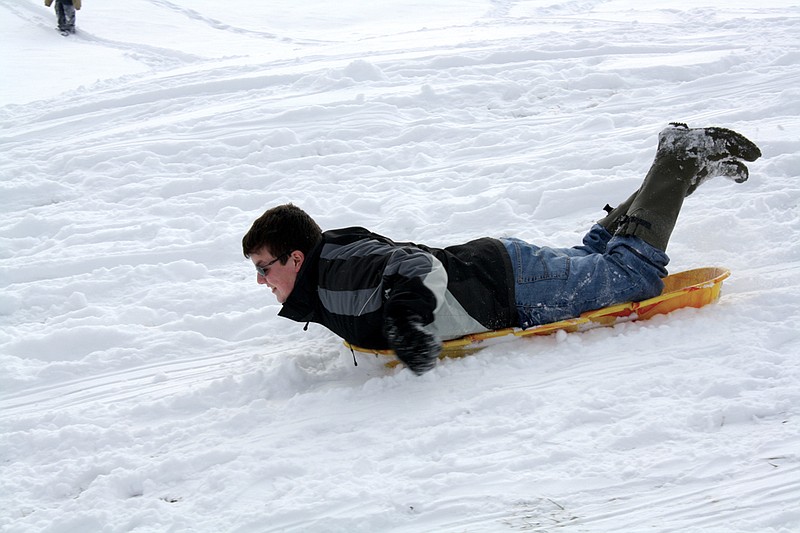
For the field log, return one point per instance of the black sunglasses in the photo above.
(264, 270)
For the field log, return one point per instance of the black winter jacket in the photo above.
(354, 278)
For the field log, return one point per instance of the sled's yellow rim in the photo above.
(690, 288)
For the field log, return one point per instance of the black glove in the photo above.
(414, 346)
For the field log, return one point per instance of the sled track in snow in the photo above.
(147, 383)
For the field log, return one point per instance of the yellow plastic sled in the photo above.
(691, 288)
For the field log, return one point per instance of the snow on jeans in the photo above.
(553, 284)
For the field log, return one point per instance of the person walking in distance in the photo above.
(65, 12)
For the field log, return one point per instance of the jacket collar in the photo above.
(302, 303)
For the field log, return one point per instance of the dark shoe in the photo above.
(685, 159)
(715, 152)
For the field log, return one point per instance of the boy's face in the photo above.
(278, 277)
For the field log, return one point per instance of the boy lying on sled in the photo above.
(379, 294)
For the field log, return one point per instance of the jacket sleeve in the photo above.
(363, 279)
(414, 284)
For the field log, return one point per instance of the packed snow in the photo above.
(147, 384)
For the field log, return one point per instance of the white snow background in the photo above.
(146, 384)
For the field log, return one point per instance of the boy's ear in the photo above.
(297, 257)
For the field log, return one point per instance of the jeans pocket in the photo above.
(539, 264)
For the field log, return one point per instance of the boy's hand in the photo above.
(414, 346)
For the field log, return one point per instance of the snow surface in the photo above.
(147, 384)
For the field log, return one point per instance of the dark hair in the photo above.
(281, 230)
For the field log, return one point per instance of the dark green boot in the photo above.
(612, 219)
(685, 159)
(716, 150)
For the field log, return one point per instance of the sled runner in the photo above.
(691, 288)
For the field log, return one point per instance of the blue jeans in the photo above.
(554, 284)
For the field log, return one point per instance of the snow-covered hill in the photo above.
(146, 384)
